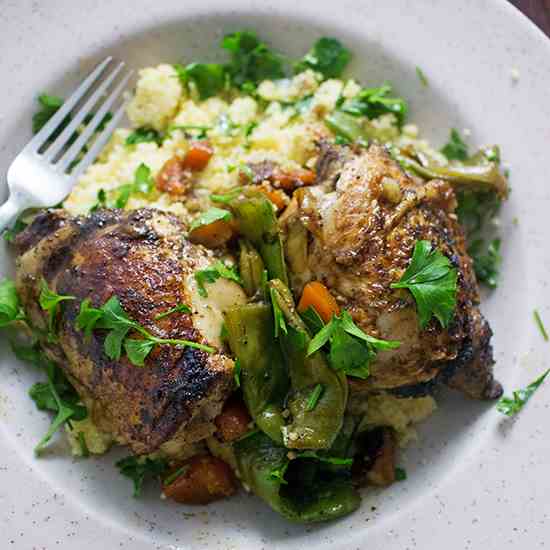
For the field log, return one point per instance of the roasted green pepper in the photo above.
(264, 376)
(251, 267)
(299, 490)
(312, 426)
(257, 223)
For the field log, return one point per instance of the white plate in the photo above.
(476, 480)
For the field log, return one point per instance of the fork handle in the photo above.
(9, 212)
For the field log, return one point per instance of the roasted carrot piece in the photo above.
(291, 180)
(234, 420)
(317, 296)
(276, 196)
(214, 234)
(198, 155)
(382, 471)
(203, 479)
(173, 177)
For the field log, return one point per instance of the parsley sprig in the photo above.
(50, 301)
(510, 406)
(218, 270)
(139, 469)
(351, 349)
(432, 282)
(112, 317)
(10, 306)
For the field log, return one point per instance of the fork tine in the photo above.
(100, 142)
(78, 118)
(71, 154)
(40, 138)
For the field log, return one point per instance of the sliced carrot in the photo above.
(214, 234)
(317, 296)
(198, 156)
(173, 177)
(291, 180)
(234, 420)
(203, 479)
(276, 196)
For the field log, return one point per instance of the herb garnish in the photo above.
(10, 306)
(432, 282)
(237, 373)
(455, 149)
(327, 56)
(144, 134)
(486, 265)
(226, 198)
(138, 469)
(113, 318)
(49, 105)
(422, 77)
(351, 349)
(180, 308)
(143, 183)
(400, 474)
(213, 273)
(540, 324)
(210, 216)
(50, 301)
(512, 405)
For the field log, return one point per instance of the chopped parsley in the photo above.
(213, 273)
(278, 474)
(351, 349)
(209, 78)
(400, 474)
(180, 308)
(432, 282)
(143, 183)
(226, 198)
(327, 56)
(50, 301)
(210, 216)
(422, 77)
(314, 397)
(112, 318)
(10, 306)
(455, 149)
(510, 406)
(139, 469)
(49, 105)
(12, 232)
(540, 325)
(144, 134)
(486, 264)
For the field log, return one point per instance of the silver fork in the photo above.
(45, 171)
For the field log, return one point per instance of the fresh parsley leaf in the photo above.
(101, 201)
(210, 216)
(510, 406)
(180, 308)
(25, 352)
(10, 306)
(237, 373)
(143, 183)
(374, 102)
(209, 78)
(213, 273)
(251, 60)
(84, 451)
(143, 134)
(49, 301)
(11, 233)
(475, 209)
(43, 397)
(226, 198)
(486, 264)
(314, 397)
(115, 320)
(201, 132)
(138, 469)
(138, 350)
(422, 77)
(328, 57)
(87, 317)
(351, 349)
(540, 325)
(49, 105)
(400, 474)
(455, 149)
(278, 474)
(432, 282)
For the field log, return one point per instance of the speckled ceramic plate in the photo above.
(476, 480)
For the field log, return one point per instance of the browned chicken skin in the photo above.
(143, 259)
(355, 231)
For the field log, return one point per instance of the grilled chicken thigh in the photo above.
(355, 231)
(143, 258)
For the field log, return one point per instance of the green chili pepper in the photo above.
(314, 428)
(251, 267)
(264, 377)
(311, 494)
(258, 223)
(355, 130)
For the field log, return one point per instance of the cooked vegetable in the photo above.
(204, 479)
(309, 428)
(374, 102)
(212, 228)
(251, 267)
(139, 469)
(432, 281)
(349, 129)
(209, 78)
(540, 325)
(234, 421)
(328, 57)
(455, 149)
(510, 406)
(301, 490)
(276, 196)
(317, 296)
(257, 222)
(210, 216)
(264, 377)
(144, 135)
(382, 470)
(113, 318)
(10, 307)
(198, 155)
(351, 349)
(213, 273)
